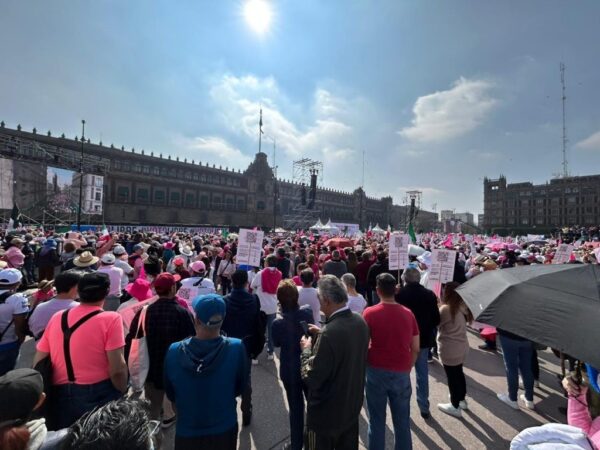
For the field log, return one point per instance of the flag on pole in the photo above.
(260, 123)
(104, 230)
(15, 218)
(411, 233)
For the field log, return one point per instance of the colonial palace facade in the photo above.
(149, 188)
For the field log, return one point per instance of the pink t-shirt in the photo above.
(89, 344)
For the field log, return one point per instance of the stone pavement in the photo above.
(489, 423)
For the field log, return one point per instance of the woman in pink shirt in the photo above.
(578, 413)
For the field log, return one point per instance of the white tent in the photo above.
(317, 226)
(377, 229)
(330, 228)
(280, 230)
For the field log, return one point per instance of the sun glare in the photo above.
(258, 15)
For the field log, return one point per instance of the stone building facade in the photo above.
(142, 188)
(525, 207)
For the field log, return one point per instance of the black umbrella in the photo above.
(555, 305)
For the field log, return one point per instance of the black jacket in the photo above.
(334, 373)
(243, 320)
(423, 304)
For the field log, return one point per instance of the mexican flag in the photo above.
(411, 233)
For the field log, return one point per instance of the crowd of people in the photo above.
(136, 333)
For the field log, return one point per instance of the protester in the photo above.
(13, 318)
(423, 304)
(356, 302)
(136, 260)
(120, 424)
(393, 351)
(517, 354)
(197, 284)
(287, 331)
(225, 271)
(265, 285)
(13, 256)
(22, 395)
(307, 294)
(92, 371)
(453, 346)
(335, 266)
(86, 262)
(66, 298)
(166, 322)
(244, 322)
(284, 265)
(121, 263)
(580, 397)
(48, 260)
(378, 267)
(113, 300)
(334, 371)
(203, 376)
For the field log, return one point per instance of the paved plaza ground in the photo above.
(489, 424)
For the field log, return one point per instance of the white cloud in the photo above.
(215, 150)
(452, 113)
(590, 143)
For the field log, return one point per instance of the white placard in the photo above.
(442, 265)
(249, 247)
(563, 254)
(398, 257)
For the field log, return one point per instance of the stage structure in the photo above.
(307, 173)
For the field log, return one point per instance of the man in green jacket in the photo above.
(334, 371)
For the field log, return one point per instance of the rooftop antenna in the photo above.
(260, 132)
(565, 163)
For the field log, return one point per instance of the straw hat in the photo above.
(186, 251)
(86, 259)
(45, 284)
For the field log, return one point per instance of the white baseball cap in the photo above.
(108, 258)
(10, 276)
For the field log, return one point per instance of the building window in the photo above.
(241, 204)
(98, 196)
(122, 194)
(190, 200)
(216, 201)
(229, 203)
(175, 198)
(142, 195)
(146, 169)
(260, 206)
(204, 202)
(260, 188)
(159, 197)
(156, 170)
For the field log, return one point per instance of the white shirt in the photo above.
(226, 269)
(127, 270)
(308, 296)
(44, 311)
(14, 305)
(189, 292)
(115, 274)
(356, 303)
(268, 302)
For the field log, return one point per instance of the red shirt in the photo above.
(392, 328)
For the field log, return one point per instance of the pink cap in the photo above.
(198, 266)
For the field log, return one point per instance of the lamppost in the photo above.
(81, 176)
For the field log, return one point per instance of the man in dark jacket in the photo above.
(423, 304)
(335, 266)
(166, 322)
(283, 263)
(334, 371)
(380, 266)
(243, 321)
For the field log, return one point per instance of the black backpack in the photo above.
(3, 298)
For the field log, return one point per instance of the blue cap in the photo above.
(137, 247)
(209, 309)
(50, 243)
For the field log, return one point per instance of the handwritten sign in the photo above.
(249, 247)
(398, 252)
(442, 265)
(563, 254)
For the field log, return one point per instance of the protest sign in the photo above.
(398, 252)
(249, 247)
(442, 265)
(562, 254)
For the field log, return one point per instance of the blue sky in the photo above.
(437, 93)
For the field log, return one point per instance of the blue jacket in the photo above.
(287, 332)
(242, 318)
(203, 378)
